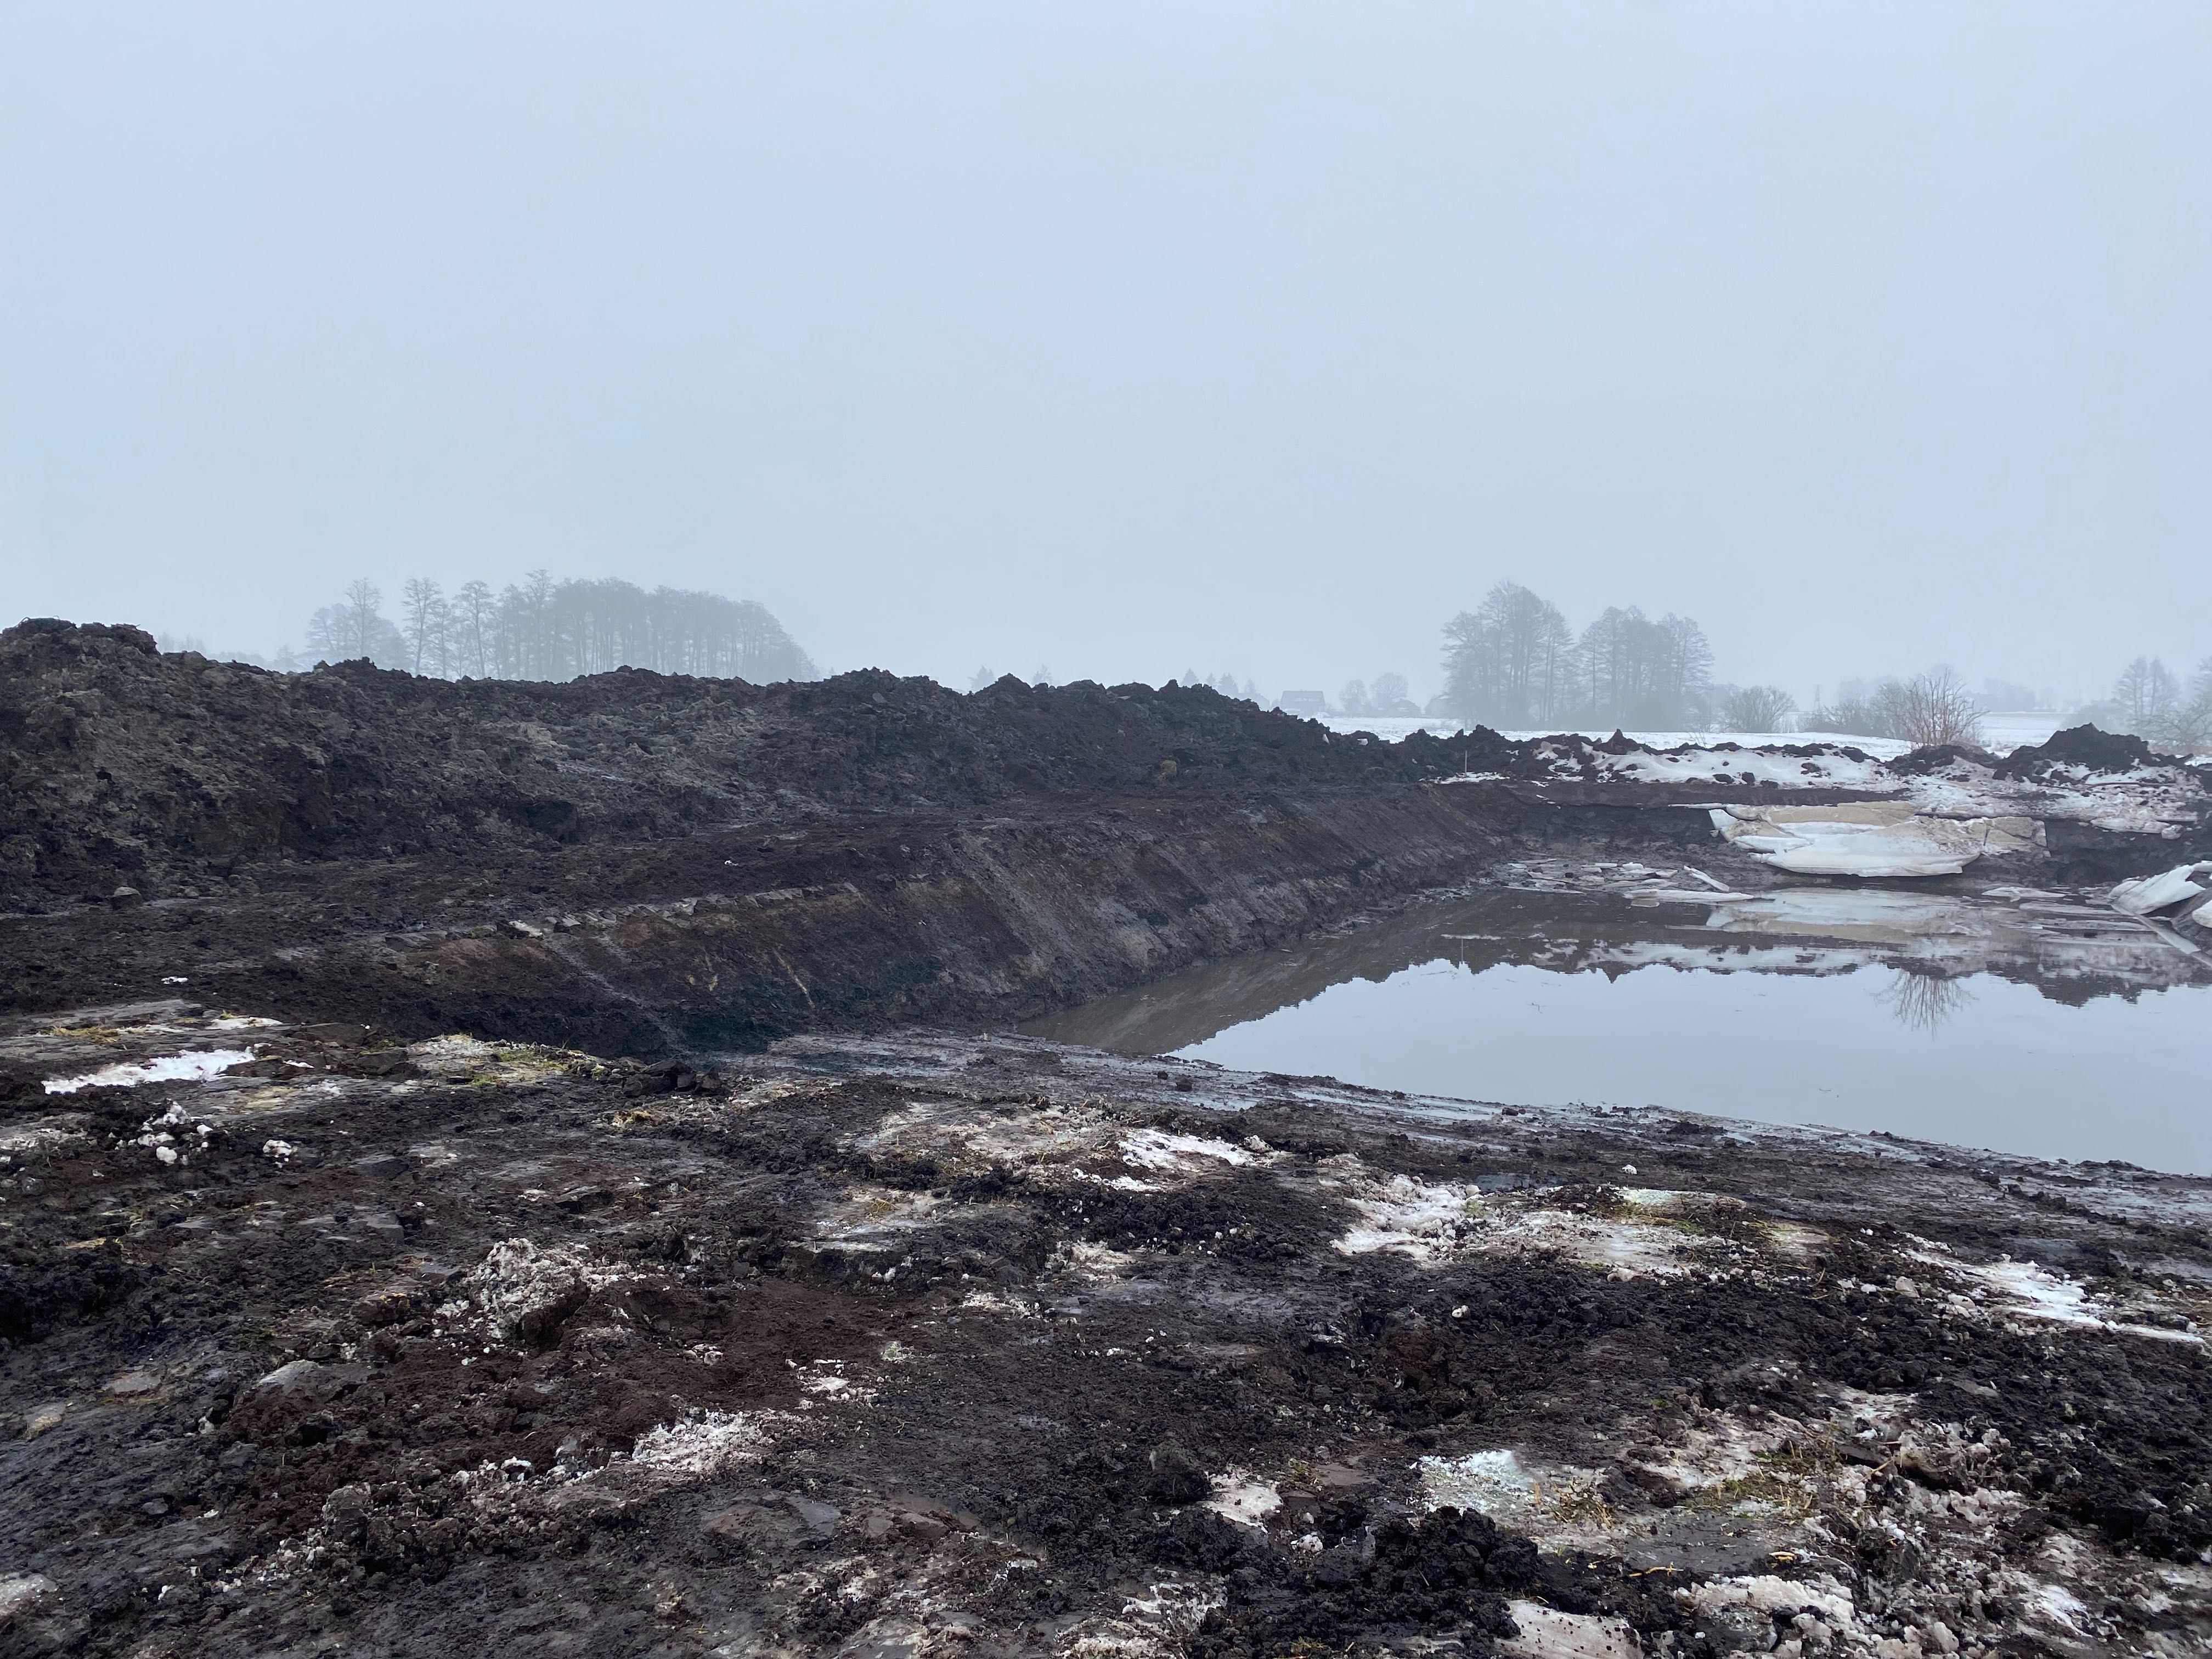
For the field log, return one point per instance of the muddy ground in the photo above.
(387, 1264)
(931, 1344)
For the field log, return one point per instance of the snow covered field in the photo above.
(1391, 730)
(2001, 732)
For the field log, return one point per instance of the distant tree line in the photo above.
(2149, 700)
(1385, 696)
(1513, 663)
(542, 629)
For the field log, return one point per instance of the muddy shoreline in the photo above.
(933, 1343)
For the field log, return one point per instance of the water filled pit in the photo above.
(2026, 1022)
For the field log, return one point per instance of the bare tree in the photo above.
(2190, 731)
(423, 623)
(1388, 694)
(355, 627)
(474, 622)
(1934, 707)
(2148, 697)
(1756, 708)
(1509, 661)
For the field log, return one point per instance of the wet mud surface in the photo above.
(934, 1344)
(675, 1308)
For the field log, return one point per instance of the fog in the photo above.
(1126, 340)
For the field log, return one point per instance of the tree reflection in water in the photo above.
(1922, 1002)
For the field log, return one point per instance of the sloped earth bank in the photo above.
(642, 863)
(936, 1345)
(731, 938)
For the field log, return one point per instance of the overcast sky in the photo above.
(1127, 338)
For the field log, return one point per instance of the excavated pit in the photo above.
(519, 1171)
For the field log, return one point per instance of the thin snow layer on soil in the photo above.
(1547, 1633)
(518, 1283)
(1708, 742)
(1706, 765)
(1402, 1213)
(1162, 1153)
(2161, 801)
(699, 1446)
(165, 1068)
(2027, 1289)
(951, 1133)
(1633, 1245)
(867, 1212)
(1154, 1625)
(42, 1135)
(2155, 800)
(1433, 1222)
(1391, 728)
(1766, 1594)
(1492, 1483)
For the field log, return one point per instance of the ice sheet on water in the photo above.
(1868, 838)
(2159, 892)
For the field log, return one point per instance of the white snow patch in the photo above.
(1768, 1593)
(1238, 1496)
(992, 1302)
(701, 1445)
(166, 1068)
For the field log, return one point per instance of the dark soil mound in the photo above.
(1934, 757)
(120, 766)
(2081, 745)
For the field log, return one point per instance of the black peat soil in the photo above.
(469, 1350)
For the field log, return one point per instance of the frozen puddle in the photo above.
(2033, 1022)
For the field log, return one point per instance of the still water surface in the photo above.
(1937, 1019)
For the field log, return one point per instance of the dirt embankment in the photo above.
(124, 766)
(936, 1346)
(643, 864)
